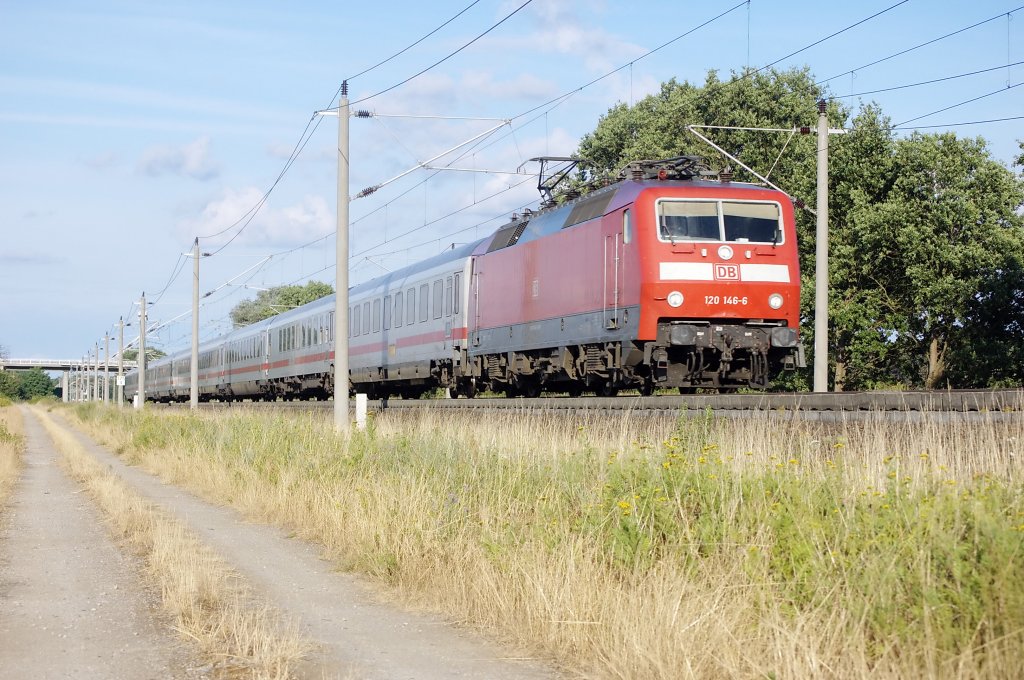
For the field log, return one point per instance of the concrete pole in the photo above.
(821, 259)
(142, 353)
(341, 419)
(96, 373)
(65, 385)
(194, 373)
(106, 368)
(120, 362)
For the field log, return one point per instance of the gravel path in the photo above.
(71, 604)
(359, 636)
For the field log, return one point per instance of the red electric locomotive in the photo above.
(662, 279)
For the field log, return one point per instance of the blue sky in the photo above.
(129, 128)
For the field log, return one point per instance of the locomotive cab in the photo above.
(720, 293)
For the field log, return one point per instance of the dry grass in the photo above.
(210, 603)
(637, 548)
(12, 444)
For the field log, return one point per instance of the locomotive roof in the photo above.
(533, 225)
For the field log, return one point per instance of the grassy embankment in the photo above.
(634, 548)
(209, 602)
(12, 444)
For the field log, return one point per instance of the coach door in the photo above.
(617, 235)
(474, 311)
(265, 353)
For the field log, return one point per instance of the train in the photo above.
(669, 276)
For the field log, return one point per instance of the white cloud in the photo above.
(190, 160)
(306, 220)
(559, 29)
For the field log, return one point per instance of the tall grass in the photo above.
(627, 547)
(12, 444)
(209, 602)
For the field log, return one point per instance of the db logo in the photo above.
(727, 272)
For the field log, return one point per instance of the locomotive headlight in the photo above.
(774, 300)
(675, 299)
(725, 252)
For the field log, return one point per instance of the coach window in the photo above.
(366, 318)
(438, 298)
(448, 296)
(627, 233)
(355, 321)
(398, 309)
(424, 302)
(410, 311)
(376, 315)
(387, 312)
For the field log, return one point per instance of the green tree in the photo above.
(10, 384)
(276, 300)
(152, 353)
(945, 244)
(35, 383)
(924, 233)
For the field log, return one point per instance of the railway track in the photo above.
(1006, 403)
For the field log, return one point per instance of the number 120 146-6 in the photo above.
(724, 300)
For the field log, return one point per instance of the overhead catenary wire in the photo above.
(919, 46)
(958, 104)
(927, 82)
(961, 124)
(248, 217)
(445, 58)
(412, 45)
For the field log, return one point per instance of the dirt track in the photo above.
(358, 637)
(70, 601)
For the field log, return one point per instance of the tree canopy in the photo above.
(26, 384)
(151, 354)
(926, 238)
(276, 300)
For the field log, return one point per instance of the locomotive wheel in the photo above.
(466, 388)
(575, 390)
(646, 388)
(607, 389)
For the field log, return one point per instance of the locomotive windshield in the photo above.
(745, 222)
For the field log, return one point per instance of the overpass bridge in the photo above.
(59, 364)
(81, 379)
